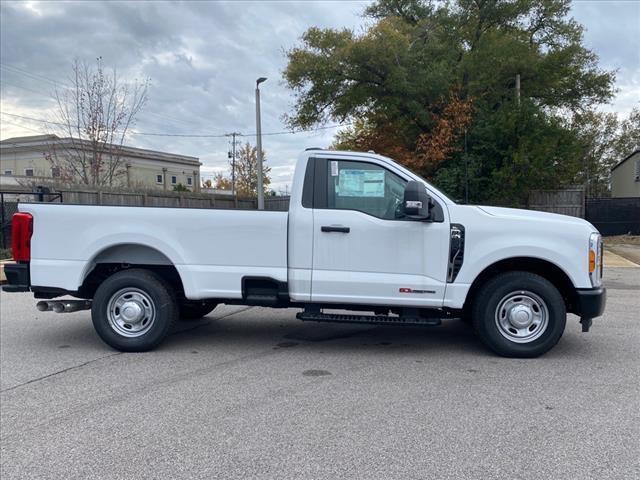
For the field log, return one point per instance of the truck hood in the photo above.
(531, 214)
(500, 218)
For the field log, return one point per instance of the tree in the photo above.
(95, 111)
(246, 173)
(221, 182)
(605, 140)
(424, 72)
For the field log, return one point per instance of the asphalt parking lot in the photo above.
(255, 393)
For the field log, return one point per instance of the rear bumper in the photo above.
(590, 302)
(17, 277)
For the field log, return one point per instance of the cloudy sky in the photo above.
(203, 59)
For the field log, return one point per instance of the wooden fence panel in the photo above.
(122, 199)
(80, 197)
(162, 201)
(247, 204)
(566, 202)
(280, 204)
(169, 199)
(224, 202)
(195, 202)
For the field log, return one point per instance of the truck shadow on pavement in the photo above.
(452, 336)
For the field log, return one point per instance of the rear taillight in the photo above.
(595, 259)
(21, 230)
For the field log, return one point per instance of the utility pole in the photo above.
(518, 89)
(259, 145)
(466, 170)
(232, 156)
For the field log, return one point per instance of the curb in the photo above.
(613, 260)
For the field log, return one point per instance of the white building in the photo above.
(29, 159)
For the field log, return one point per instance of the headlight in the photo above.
(595, 259)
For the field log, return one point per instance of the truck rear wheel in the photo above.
(519, 314)
(195, 310)
(134, 310)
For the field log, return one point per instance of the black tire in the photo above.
(155, 295)
(512, 287)
(195, 310)
(465, 316)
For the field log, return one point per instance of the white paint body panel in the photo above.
(214, 249)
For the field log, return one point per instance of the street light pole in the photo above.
(259, 145)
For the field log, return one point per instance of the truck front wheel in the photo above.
(133, 310)
(519, 314)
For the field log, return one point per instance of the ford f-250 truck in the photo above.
(362, 234)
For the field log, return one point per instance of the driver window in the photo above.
(365, 187)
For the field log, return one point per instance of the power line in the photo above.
(18, 125)
(5, 82)
(34, 76)
(191, 135)
(283, 132)
(41, 78)
(35, 119)
(179, 135)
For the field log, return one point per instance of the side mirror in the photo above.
(416, 203)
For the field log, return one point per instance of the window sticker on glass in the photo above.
(334, 168)
(360, 183)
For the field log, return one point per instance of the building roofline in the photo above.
(43, 140)
(625, 159)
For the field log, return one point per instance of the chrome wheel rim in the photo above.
(522, 316)
(131, 312)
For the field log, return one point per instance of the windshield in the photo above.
(419, 178)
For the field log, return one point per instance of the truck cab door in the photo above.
(363, 252)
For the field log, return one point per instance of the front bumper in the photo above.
(590, 302)
(17, 277)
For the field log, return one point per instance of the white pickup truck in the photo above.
(362, 234)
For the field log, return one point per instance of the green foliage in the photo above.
(180, 188)
(399, 77)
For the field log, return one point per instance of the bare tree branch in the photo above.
(95, 111)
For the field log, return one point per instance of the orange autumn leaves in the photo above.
(451, 117)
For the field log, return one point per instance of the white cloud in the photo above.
(203, 59)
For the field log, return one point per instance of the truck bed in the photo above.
(211, 249)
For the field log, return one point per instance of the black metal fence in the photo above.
(614, 216)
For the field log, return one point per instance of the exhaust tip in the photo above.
(58, 307)
(42, 306)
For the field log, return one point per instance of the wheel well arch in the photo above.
(123, 256)
(546, 269)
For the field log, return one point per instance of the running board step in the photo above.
(369, 319)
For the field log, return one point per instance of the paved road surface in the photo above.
(254, 393)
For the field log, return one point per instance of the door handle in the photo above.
(339, 229)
